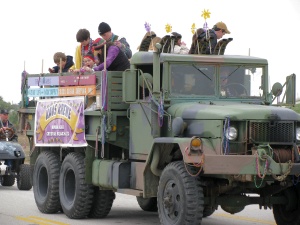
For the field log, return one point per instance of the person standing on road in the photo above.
(7, 126)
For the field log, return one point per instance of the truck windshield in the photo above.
(236, 81)
(193, 79)
(240, 81)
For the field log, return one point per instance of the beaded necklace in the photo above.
(83, 52)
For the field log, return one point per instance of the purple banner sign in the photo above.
(77, 80)
(39, 81)
(60, 122)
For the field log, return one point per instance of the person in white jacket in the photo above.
(179, 46)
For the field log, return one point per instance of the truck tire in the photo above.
(7, 180)
(208, 211)
(76, 196)
(46, 182)
(180, 197)
(147, 204)
(24, 177)
(103, 200)
(288, 214)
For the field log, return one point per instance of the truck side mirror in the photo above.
(291, 89)
(277, 89)
(289, 96)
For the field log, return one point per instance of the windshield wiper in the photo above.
(233, 71)
(200, 71)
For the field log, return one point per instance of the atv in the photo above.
(12, 165)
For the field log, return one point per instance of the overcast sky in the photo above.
(33, 30)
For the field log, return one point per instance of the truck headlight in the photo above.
(231, 133)
(298, 134)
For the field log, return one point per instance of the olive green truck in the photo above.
(185, 134)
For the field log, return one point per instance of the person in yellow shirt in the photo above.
(86, 45)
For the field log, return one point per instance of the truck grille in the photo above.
(272, 131)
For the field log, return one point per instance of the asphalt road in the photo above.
(18, 208)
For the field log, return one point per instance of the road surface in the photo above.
(18, 208)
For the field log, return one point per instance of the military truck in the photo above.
(170, 132)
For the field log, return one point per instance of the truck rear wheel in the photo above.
(180, 196)
(103, 200)
(147, 204)
(288, 214)
(7, 180)
(24, 177)
(76, 196)
(45, 182)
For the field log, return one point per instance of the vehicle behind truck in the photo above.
(185, 134)
(12, 161)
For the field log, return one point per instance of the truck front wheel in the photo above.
(180, 197)
(76, 196)
(288, 214)
(45, 182)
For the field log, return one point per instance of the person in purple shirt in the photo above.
(116, 60)
(105, 32)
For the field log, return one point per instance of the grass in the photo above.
(296, 108)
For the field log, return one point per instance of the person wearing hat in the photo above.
(104, 31)
(5, 124)
(61, 60)
(217, 32)
(97, 42)
(89, 60)
(89, 63)
(116, 60)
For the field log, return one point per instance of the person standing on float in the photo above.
(86, 45)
